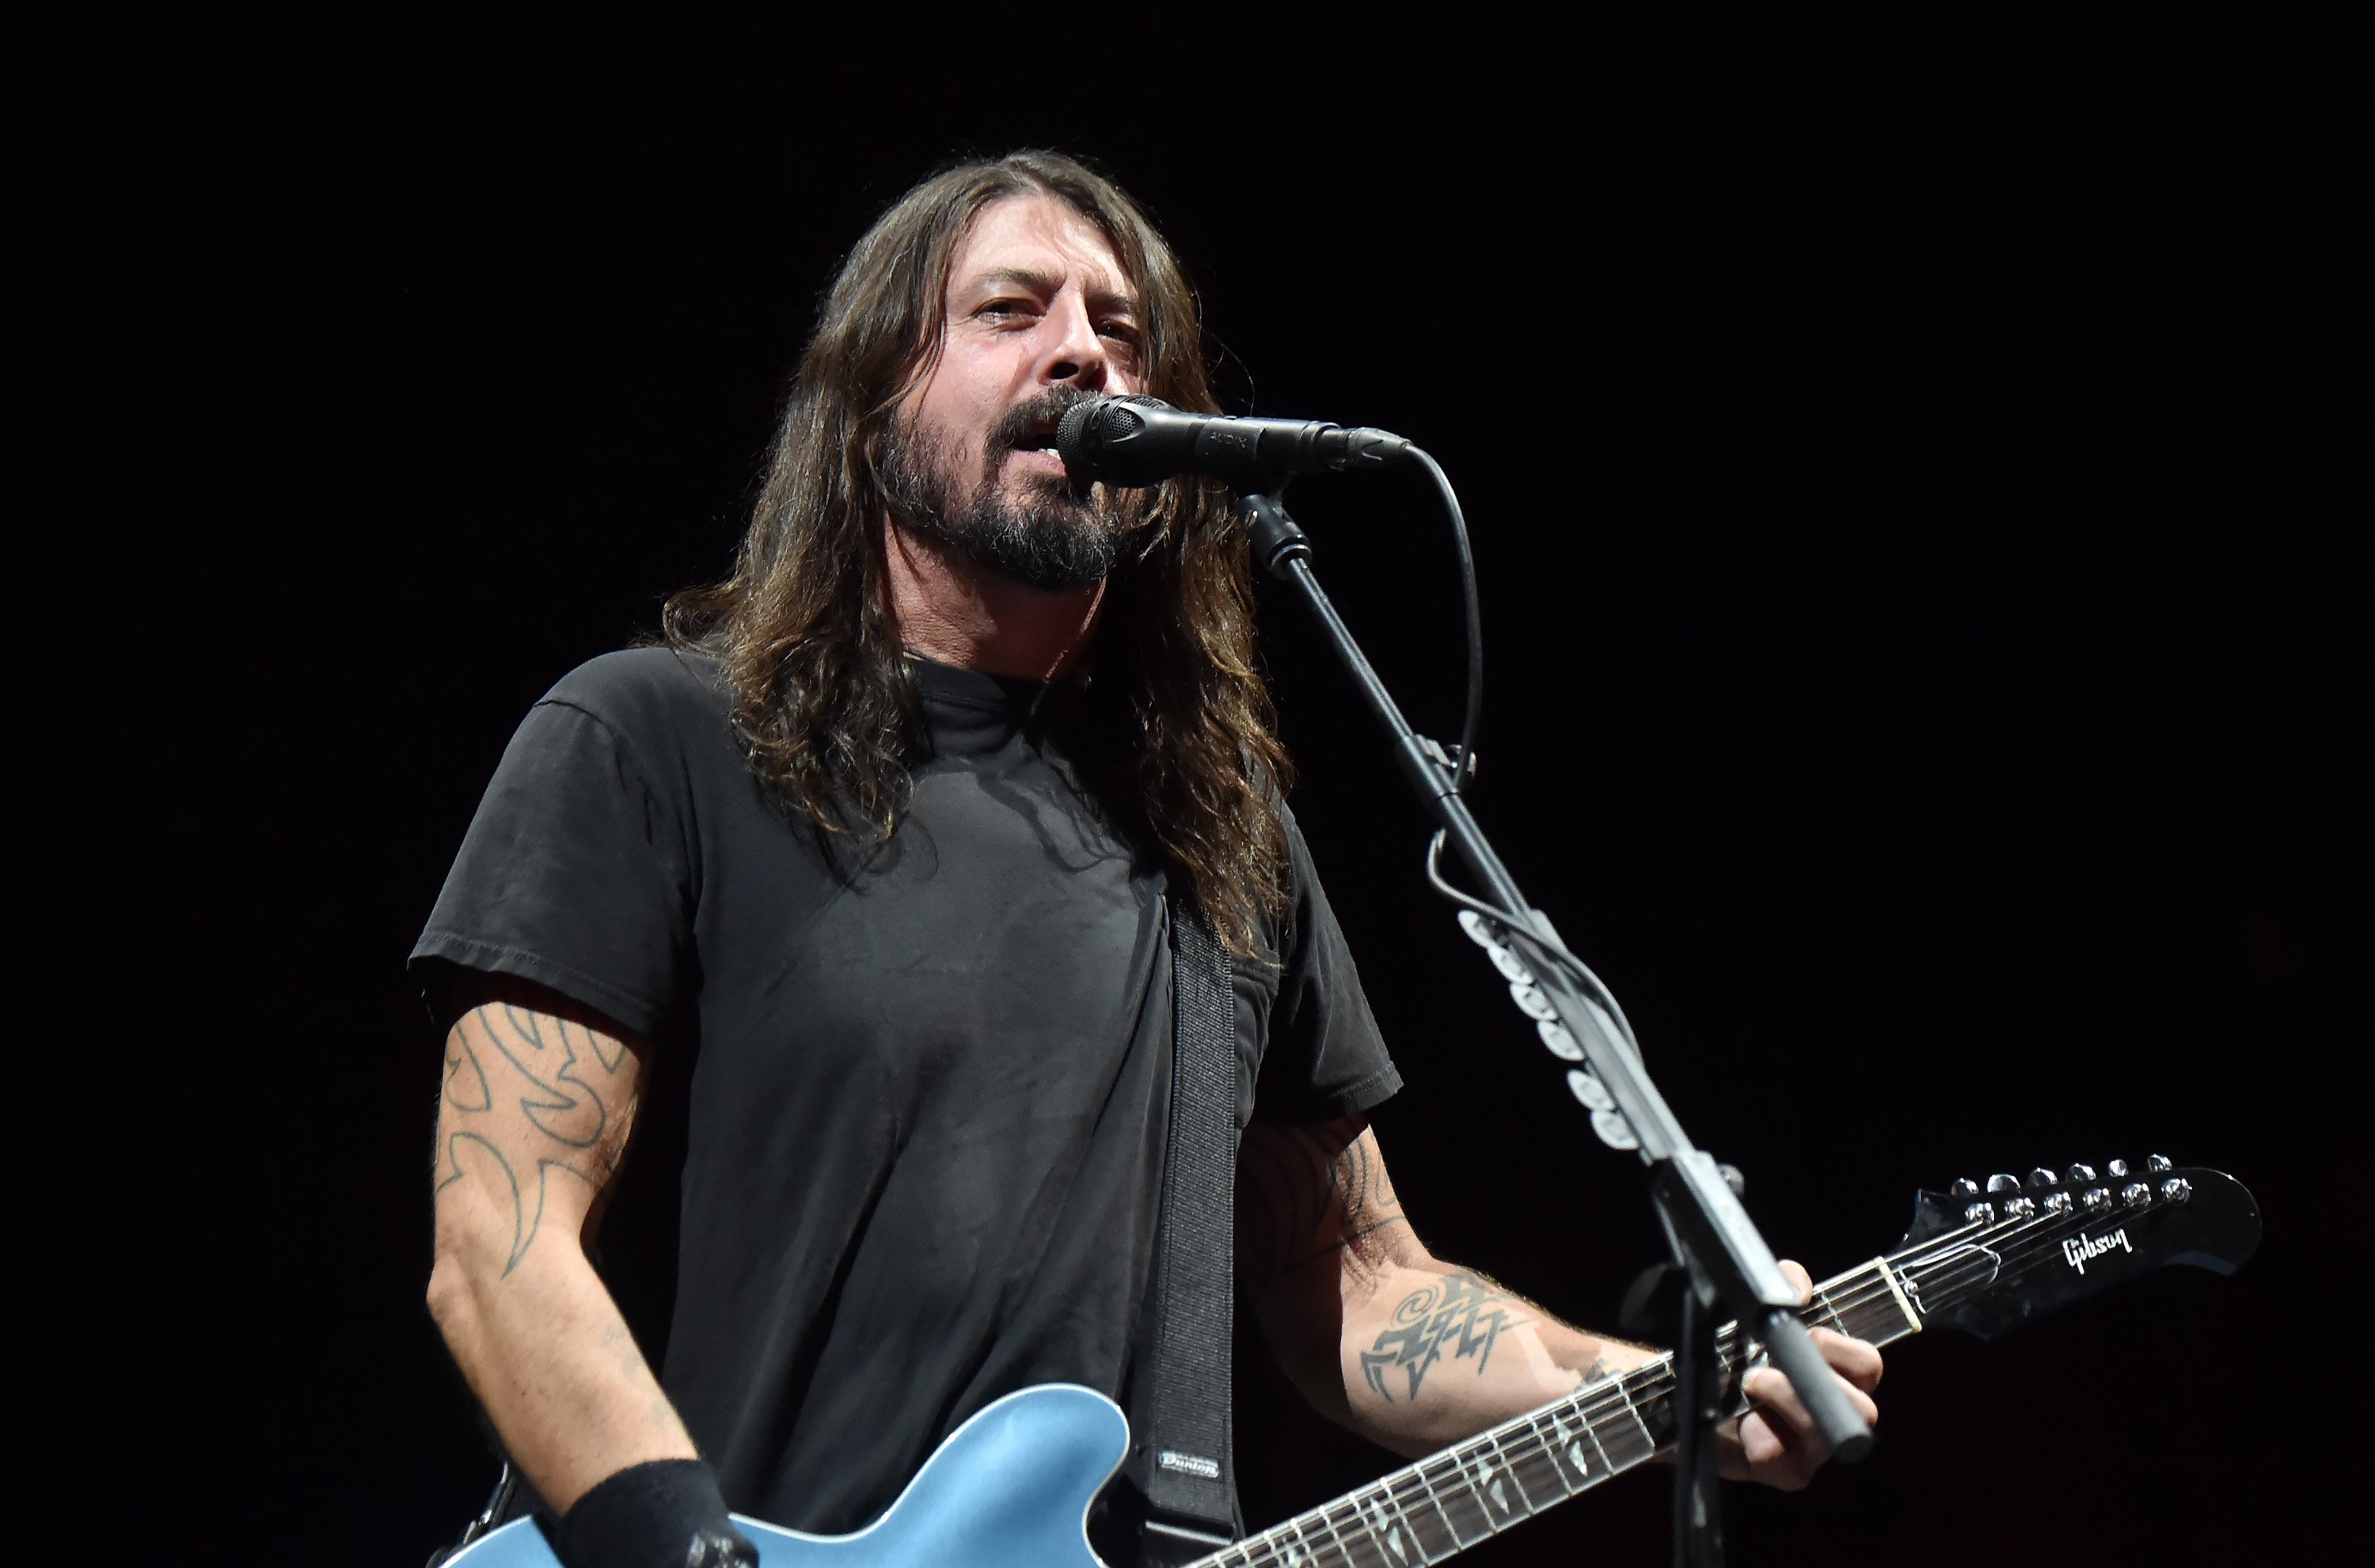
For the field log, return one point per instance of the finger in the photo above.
(1774, 1456)
(1731, 1449)
(1854, 1360)
(1800, 1280)
(1747, 1447)
(1772, 1392)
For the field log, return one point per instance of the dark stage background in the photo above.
(1922, 597)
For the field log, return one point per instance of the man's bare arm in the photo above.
(1407, 1351)
(1415, 1353)
(532, 1122)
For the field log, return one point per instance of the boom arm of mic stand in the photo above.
(1726, 1255)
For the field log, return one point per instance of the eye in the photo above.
(1121, 332)
(1007, 309)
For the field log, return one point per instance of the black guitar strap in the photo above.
(1182, 1459)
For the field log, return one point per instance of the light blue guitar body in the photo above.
(1009, 1489)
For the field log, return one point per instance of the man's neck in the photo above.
(951, 608)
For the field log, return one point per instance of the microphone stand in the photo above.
(1724, 1265)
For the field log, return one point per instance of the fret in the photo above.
(1624, 1427)
(1286, 1545)
(1868, 1313)
(1391, 1528)
(1590, 1420)
(1495, 1477)
(1315, 1544)
(1345, 1536)
(1533, 1465)
(1575, 1469)
(1435, 1534)
(1541, 1431)
(1463, 1511)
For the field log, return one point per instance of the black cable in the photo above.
(1464, 771)
(1594, 988)
(1472, 714)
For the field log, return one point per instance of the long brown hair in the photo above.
(803, 627)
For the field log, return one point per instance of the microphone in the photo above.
(1134, 442)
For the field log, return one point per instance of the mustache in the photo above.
(1043, 412)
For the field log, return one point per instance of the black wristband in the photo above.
(665, 1514)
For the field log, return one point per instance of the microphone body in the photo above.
(1134, 442)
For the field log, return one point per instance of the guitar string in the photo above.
(1515, 1447)
(1521, 1442)
(1841, 1297)
(1856, 1293)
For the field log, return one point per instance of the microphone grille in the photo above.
(1115, 419)
(1073, 428)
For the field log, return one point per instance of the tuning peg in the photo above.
(2080, 1175)
(2097, 1199)
(2118, 1168)
(2019, 1208)
(2041, 1177)
(2157, 1162)
(1977, 1214)
(2057, 1203)
(2136, 1194)
(2004, 1181)
(2176, 1189)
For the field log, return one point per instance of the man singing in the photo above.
(875, 853)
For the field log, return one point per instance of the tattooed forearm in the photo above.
(532, 1101)
(1460, 1316)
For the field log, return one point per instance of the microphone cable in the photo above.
(1464, 773)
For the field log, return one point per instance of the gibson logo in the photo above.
(2079, 1248)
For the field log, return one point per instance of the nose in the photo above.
(1074, 354)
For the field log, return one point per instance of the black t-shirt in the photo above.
(925, 1090)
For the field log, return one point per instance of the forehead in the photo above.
(1036, 234)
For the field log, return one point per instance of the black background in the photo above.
(1922, 602)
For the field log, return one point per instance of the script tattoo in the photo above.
(1460, 1316)
(527, 1097)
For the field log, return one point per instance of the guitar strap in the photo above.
(1182, 1460)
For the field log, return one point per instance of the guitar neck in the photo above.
(1450, 1501)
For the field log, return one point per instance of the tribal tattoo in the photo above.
(1460, 1316)
(529, 1095)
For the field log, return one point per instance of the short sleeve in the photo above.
(1325, 1056)
(574, 875)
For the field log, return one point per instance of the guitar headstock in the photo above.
(1987, 1259)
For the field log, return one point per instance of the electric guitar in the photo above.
(1012, 1488)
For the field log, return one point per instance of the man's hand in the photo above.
(1776, 1443)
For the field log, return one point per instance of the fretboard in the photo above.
(1450, 1501)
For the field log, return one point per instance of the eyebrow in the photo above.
(1045, 283)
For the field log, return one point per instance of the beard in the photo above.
(1040, 530)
